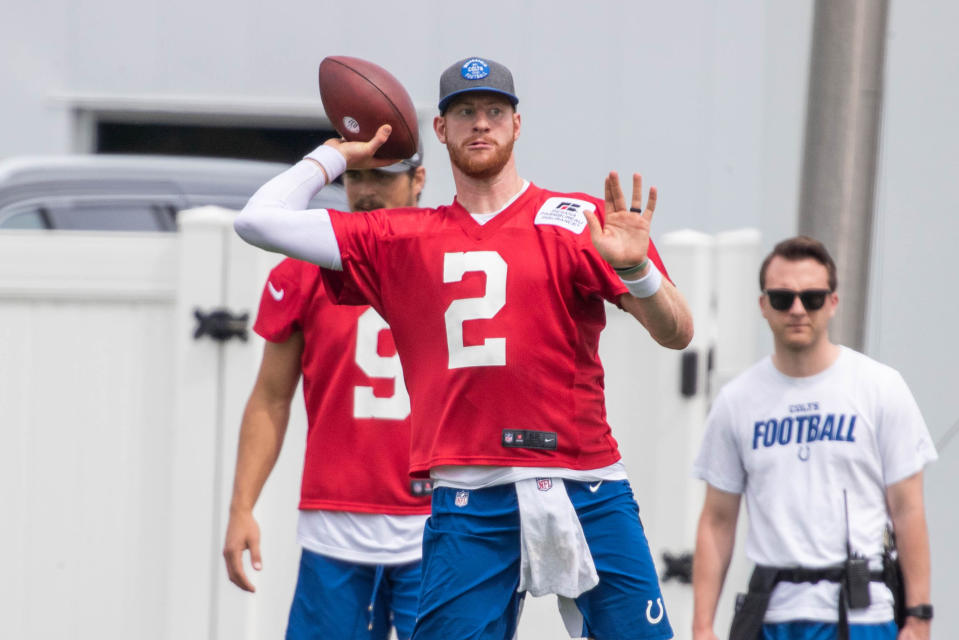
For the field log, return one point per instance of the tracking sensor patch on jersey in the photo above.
(528, 439)
(420, 488)
(564, 212)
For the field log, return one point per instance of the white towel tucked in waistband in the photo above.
(555, 557)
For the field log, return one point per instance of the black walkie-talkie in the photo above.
(857, 569)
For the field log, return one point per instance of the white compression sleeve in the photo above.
(276, 218)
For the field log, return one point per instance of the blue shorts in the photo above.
(807, 630)
(471, 563)
(338, 600)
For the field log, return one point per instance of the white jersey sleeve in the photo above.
(276, 218)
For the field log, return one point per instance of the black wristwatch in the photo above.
(920, 611)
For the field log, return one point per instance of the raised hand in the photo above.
(624, 238)
(359, 155)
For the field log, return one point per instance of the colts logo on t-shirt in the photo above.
(564, 212)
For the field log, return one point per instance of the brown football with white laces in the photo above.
(360, 96)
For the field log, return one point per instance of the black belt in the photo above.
(751, 607)
(829, 574)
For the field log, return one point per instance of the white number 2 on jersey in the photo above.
(365, 404)
(492, 353)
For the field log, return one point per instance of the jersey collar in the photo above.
(476, 230)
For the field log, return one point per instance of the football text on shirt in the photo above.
(804, 429)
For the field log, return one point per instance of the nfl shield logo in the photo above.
(508, 438)
(544, 484)
(462, 498)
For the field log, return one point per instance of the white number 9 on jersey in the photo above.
(365, 404)
(492, 353)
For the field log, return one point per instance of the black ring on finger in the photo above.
(636, 209)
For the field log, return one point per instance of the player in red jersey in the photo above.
(496, 303)
(361, 532)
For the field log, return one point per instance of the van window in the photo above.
(29, 217)
(114, 215)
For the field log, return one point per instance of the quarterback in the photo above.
(496, 303)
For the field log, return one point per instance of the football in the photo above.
(360, 96)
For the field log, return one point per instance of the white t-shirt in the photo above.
(367, 538)
(793, 445)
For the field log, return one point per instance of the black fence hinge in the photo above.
(678, 567)
(221, 325)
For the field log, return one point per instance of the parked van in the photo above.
(129, 193)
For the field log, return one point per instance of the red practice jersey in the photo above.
(498, 326)
(358, 441)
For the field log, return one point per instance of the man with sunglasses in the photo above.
(828, 447)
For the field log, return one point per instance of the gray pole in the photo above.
(841, 147)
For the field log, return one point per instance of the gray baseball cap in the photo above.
(475, 74)
(403, 166)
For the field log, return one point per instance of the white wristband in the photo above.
(647, 285)
(332, 161)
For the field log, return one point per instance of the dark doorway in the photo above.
(275, 144)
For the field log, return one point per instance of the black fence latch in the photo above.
(679, 567)
(221, 325)
(689, 374)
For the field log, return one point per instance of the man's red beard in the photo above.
(483, 167)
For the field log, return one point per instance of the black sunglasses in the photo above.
(782, 299)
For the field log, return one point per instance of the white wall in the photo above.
(913, 306)
(675, 90)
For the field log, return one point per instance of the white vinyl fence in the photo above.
(119, 429)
